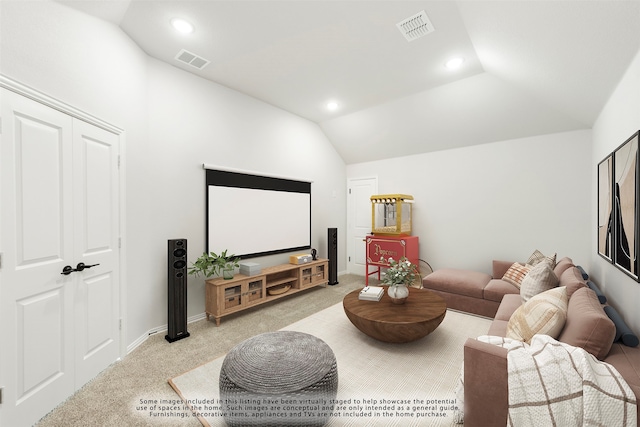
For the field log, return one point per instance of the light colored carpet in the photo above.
(115, 397)
(369, 371)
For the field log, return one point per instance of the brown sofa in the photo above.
(485, 365)
(475, 292)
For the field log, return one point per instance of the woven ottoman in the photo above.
(283, 378)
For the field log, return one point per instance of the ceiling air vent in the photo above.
(415, 26)
(192, 59)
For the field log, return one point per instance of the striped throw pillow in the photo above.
(545, 313)
(516, 273)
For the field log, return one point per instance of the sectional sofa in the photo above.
(586, 325)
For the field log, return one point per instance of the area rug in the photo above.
(380, 384)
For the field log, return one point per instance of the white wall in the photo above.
(195, 122)
(174, 122)
(93, 66)
(618, 121)
(495, 201)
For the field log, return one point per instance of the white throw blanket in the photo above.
(556, 384)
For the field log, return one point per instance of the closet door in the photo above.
(59, 207)
(37, 242)
(96, 231)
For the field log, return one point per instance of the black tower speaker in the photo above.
(332, 244)
(177, 279)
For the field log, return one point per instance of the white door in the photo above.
(96, 231)
(359, 221)
(51, 218)
(37, 301)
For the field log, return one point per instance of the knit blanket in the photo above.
(555, 384)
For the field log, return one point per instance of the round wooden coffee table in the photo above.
(385, 321)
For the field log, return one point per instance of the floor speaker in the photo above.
(332, 243)
(177, 286)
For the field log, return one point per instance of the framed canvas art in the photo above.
(625, 209)
(605, 207)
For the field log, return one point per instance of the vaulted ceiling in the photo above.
(530, 67)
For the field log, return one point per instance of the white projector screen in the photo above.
(251, 215)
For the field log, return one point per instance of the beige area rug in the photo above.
(373, 375)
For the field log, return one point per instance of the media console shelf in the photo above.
(223, 297)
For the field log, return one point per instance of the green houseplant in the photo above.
(211, 264)
(399, 276)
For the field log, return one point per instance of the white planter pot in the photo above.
(398, 293)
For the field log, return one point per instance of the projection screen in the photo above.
(252, 215)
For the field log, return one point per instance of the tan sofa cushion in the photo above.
(626, 360)
(541, 278)
(508, 306)
(499, 267)
(497, 288)
(562, 265)
(544, 313)
(587, 324)
(572, 279)
(461, 282)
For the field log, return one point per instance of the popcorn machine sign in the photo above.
(381, 248)
(386, 253)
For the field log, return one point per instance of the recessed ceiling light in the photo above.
(454, 63)
(332, 106)
(182, 26)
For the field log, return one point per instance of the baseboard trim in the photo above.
(141, 339)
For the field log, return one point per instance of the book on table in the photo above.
(371, 293)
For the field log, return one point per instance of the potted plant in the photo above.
(211, 264)
(399, 276)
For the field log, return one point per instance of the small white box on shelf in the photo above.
(249, 268)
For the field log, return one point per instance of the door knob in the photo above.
(81, 266)
(68, 270)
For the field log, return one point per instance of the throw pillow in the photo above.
(545, 313)
(623, 332)
(539, 279)
(537, 257)
(516, 273)
(587, 324)
(572, 279)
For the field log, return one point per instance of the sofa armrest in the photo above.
(486, 393)
(500, 267)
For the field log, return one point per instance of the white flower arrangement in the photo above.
(401, 272)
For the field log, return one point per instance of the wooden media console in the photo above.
(223, 297)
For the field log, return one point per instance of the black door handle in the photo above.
(67, 270)
(81, 266)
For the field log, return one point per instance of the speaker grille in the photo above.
(332, 243)
(177, 290)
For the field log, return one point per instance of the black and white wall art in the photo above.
(618, 235)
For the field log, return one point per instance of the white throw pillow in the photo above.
(537, 257)
(539, 279)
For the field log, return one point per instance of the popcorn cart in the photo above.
(390, 232)
(381, 248)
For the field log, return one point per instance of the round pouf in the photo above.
(283, 378)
